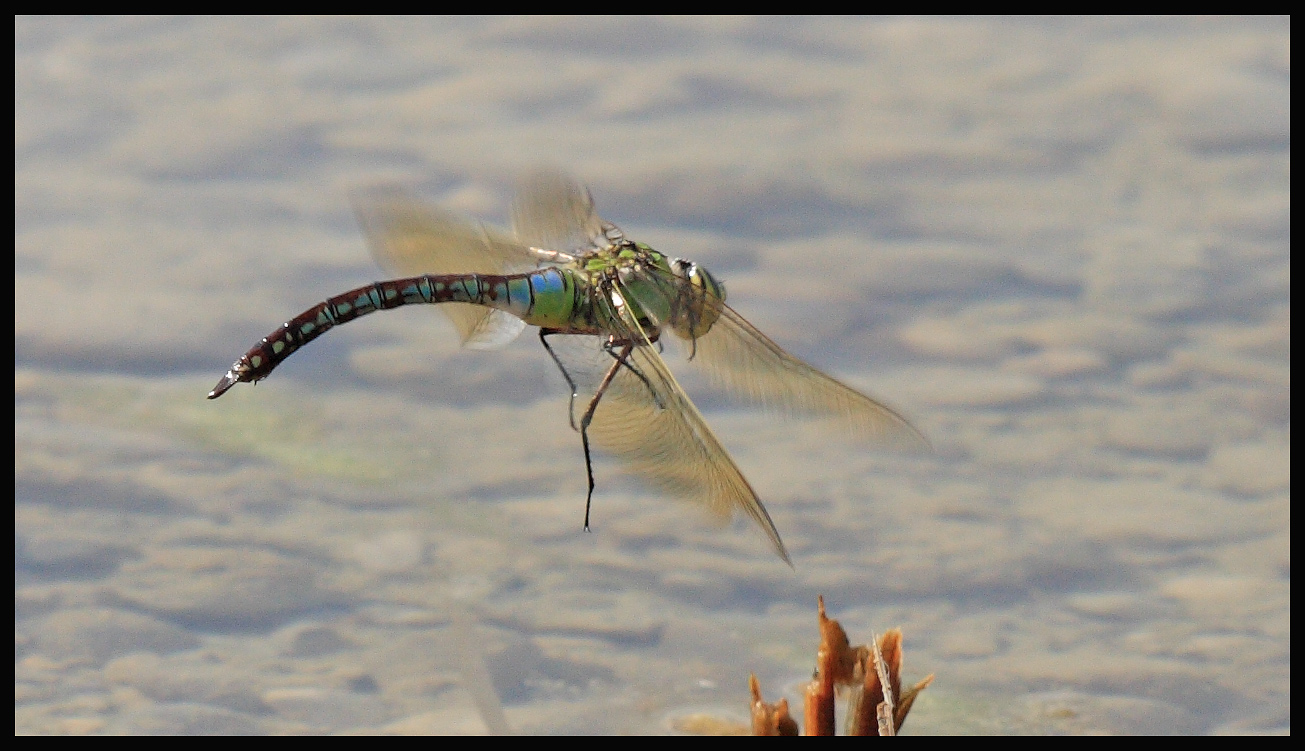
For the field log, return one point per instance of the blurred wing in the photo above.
(554, 212)
(491, 329)
(739, 357)
(410, 237)
(648, 423)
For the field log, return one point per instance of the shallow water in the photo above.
(1062, 247)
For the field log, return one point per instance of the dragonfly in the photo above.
(614, 303)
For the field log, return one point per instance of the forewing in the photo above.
(554, 212)
(745, 361)
(410, 237)
(646, 421)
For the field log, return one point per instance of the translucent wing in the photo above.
(492, 330)
(555, 212)
(657, 432)
(410, 237)
(739, 357)
(647, 421)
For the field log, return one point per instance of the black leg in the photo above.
(623, 359)
(543, 334)
(589, 417)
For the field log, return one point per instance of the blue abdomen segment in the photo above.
(548, 297)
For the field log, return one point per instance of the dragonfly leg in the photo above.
(543, 339)
(610, 348)
(589, 417)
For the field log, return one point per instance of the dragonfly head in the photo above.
(697, 311)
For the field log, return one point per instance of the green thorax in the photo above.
(633, 283)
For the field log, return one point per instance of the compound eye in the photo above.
(698, 306)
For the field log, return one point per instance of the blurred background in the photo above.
(1061, 246)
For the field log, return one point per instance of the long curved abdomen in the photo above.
(547, 297)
